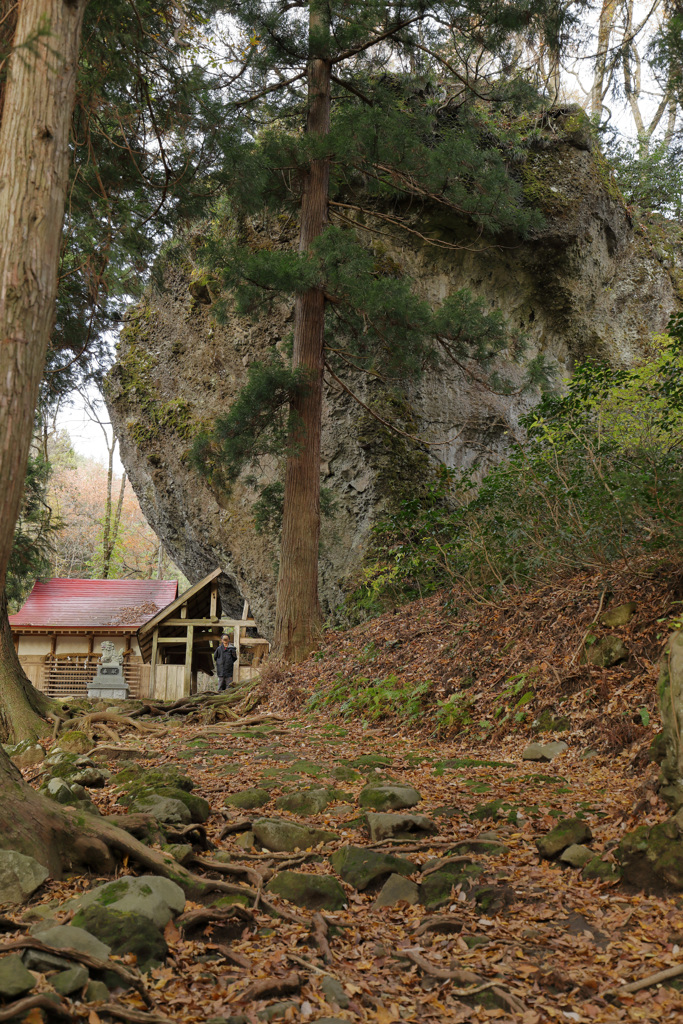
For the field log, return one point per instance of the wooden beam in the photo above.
(207, 623)
(173, 639)
(187, 682)
(153, 666)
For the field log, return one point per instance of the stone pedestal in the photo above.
(109, 682)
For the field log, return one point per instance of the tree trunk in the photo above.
(22, 707)
(298, 617)
(34, 162)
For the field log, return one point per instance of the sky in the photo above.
(86, 436)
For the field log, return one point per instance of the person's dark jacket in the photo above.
(225, 659)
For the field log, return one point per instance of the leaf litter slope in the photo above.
(549, 940)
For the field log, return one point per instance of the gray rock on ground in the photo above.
(248, 799)
(568, 832)
(387, 797)
(334, 993)
(397, 889)
(605, 652)
(25, 754)
(316, 892)
(577, 856)
(361, 867)
(166, 809)
(304, 801)
(71, 980)
(620, 615)
(15, 979)
(158, 899)
(386, 825)
(282, 836)
(20, 876)
(543, 751)
(63, 936)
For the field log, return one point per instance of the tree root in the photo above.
(196, 918)
(13, 1011)
(8, 925)
(462, 977)
(128, 977)
(102, 717)
(256, 878)
(647, 982)
(439, 923)
(134, 1016)
(266, 987)
(320, 933)
(444, 863)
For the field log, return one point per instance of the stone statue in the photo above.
(110, 656)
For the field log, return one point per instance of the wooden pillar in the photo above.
(187, 683)
(153, 666)
(213, 609)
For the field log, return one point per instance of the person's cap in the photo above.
(226, 636)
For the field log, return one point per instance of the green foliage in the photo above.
(598, 479)
(650, 180)
(33, 534)
(373, 699)
(260, 423)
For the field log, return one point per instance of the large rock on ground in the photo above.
(397, 889)
(399, 826)
(584, 285)
(15, 979)
(305, 801)
(248, 799)
(20, 876)
(316, 892)
(387, 797)
(166, 809)
(670, 696)
(25, 754)
(543, 752)
(437, 885)
(63, 936)
(651, 858)
(362, 868)
(158, 899)
(286, 836)
(124, 932)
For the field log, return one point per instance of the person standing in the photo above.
(225, 658)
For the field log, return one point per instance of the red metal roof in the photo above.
(80, 604)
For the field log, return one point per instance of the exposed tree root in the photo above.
(647, 982)
(320, 932)
(134, 1016)
(266, 987)
(440, 923)
(257, 878)
(15, 1011)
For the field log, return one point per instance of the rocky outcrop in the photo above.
(588, 284)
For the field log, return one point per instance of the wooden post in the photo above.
(187, 682)
(213, 609)
(183, 611)
(153, 666)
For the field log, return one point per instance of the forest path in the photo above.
(475, 924)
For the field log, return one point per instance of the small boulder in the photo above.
(74, 742)
(116, 753)
(605, 652)
(59, 790)
(165, 809)
(181, 852)
(386, 797)
(361, 867)
(286, 836)
(304, 801)
(576, 856)
(158, 899)
(248, 799)
(543, 751)
(567, 832)
(124, 932)
(315, 892)
(70, 980)
(334, 992)
(15, 979)
(63, 936)
(651, 858)
(399, 826)
(600, 870)
(397, 889)
(437, 885)
(96, 992)
(620, 615)
(20, 876)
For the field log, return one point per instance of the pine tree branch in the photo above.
(393, 31)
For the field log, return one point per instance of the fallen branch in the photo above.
(266, 987)
(307, 964)
(235, 958)
(133, 980)
(13, 1011)
(646, 982)
(463, 977)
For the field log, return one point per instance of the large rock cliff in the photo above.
(587, 284)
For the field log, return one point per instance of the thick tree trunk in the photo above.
(298, 618)
(22, 707)
(34, 162)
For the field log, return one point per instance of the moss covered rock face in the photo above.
(363, 868)
(386, 797)
(652, 858)
(584, 285)
(157, 899)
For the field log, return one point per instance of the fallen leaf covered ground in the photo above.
(545, 944)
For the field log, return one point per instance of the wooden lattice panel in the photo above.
(71, 675)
